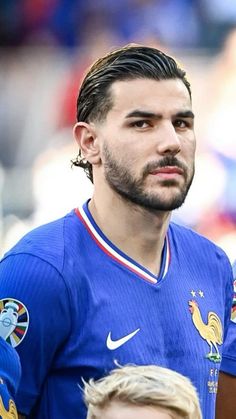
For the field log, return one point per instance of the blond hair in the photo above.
(144, 386)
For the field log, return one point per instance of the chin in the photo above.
(160, 204)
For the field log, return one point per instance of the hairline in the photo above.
(172, 411)
(109, 97)
(130, 62)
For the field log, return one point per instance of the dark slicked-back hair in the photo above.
(127, 63)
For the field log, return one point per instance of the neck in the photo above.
(138, 232)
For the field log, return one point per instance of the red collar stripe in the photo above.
(115, 255)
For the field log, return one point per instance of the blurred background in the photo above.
(45, 48)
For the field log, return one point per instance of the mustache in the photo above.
(166, 161)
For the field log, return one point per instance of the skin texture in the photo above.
(131, 137)
(226, 397)
(119, 410)
(149, 125)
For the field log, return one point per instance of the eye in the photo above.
(181, 123)
(141, 124)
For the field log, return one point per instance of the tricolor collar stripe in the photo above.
(115, 255)
(167, 260)
(109, 251)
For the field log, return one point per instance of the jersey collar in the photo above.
(112, 251)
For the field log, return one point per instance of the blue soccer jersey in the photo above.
(74, 305)
(228, 364)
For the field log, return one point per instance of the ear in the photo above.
(85, 136)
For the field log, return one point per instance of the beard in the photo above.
(132, 190)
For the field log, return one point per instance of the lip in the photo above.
(167, 171)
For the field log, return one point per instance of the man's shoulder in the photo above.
(194, 241)
(185, 232)
(234, 269)
(47, 241)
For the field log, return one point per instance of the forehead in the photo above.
(149, 94)
(122, 410)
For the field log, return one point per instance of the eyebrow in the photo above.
(144, 114)
(185, 114)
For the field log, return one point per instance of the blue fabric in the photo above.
(76, 294)
(10, 371)
(229, 352)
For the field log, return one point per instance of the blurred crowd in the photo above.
(70, 23)
(45, 47)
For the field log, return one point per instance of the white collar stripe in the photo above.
(115, 255)
(167, 261)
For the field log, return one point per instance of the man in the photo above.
(142, 392)
(10, 371)
(114, 279)
(226, 400)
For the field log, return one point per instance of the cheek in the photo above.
(189, 148)
(193, 145)
(128, 154)
(193, 151)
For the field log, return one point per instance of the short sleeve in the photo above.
(34, 318)
(228, 364)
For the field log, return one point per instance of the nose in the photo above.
(168, 140)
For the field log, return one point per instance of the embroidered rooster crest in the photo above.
(211, 332)
(8, 414)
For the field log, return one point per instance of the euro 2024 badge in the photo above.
(14, 321)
